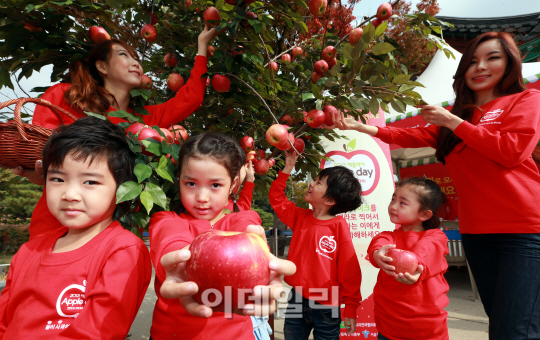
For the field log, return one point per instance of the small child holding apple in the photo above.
(87, 282)
(328, 272)
(411, 306)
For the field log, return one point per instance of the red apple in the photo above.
(154, 20)
(329, 112)
(135, 128)
(251, 15)
(315, 77)
(305, 116)
(316, 118)
(329, 53)
(261, 166)
(272, 161)
(321, 67)
(287, 120)
(211, 14)
(286, 58)
(287, 143)
(376, 22)
(229, 262)
(404, 261)
(273, 66)
(97, 35)
(317, 7)
(251, 156)
(247, 143)
(149, 33)
(146, 82)
(221, 83)
(208, 81)
(210, 50)
(175, 82)
(332, 63)
(276, 134)
(296, 51)
(179, 133)
(146, 133)
(261, 153)
(355, 35)
(188, 3)
(299, 145)
(34, 28)
(172, 159)
(170, 60)
(168, 135)
(384, 11)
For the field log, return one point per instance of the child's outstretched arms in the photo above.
(380, 258)
(409, 279)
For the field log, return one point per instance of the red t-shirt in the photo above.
(322, 251)
(244, 199)
(496, 179)
(187, 100)
(93, 292)
(413, 311)
(169, 232)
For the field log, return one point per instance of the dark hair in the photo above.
(220, 148)
(343, 188)
(429, 196)
(91, 137)
(87, 92)
(511, 83)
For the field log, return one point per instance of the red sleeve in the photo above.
(114, 300)
(348, 274)
(286, 210)
(430, 251)
(515, 140)
(187, 100)
(45, 117)
(382, 239)
(168, 232)
(410, 137)
(6, 295)
(246, 196)
(241, 220)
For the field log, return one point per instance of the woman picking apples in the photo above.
(487, 141)
(102, 83)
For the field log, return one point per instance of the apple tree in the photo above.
(265, 49)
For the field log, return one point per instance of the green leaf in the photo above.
(142, 111)
(157, 194)
(401, 78)
(382, 48)
(123, 114)
(142, 171)
(163, 162)
(351, 145)
(164, 174)
(357, 104)
(398, 105)
(152, 146)
(147, 200)
(374, 105)
(97, 115)
(381, 28)
(128, 191)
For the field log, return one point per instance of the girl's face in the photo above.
(205, 186)
(121, 70)
(404, 209)
(487, 67)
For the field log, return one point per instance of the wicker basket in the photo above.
(21, 144)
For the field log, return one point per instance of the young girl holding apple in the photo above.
(411, 305)
(208, 169)
(102, 83)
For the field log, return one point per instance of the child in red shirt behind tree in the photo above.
(412, 306)
(328, 273)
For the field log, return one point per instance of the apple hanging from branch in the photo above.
(149, 33)
(146, 82)
(175, 82)
(97, 35)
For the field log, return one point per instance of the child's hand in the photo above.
(204, 39)
(409, 279)
(290, 161)
(350, 325)
(380, 258)
(176, 285)
(250, 172)
(266, 295)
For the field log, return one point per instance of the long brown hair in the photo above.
(87, 91)
(511, 83)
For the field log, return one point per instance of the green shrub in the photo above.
(12, 237)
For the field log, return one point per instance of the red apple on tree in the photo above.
(315, 77)
(211, 14)
(179, 133)
(329, 53)
(227, 261)
(332, 63)
(135, 128)
(305, 116)
(286, 58)
(355, 35)
(404, 261)
(168, 135)
(153, 20)
(384, 11)
(97, 35)
(321, 67)
(146, 82)
(271, 161)
(329, 112)
(376, 22)
(146, 133)
(296, 51)
(316, 118)
(276, 134)
(175, 82)
(287, 143)
(251, 156)
(210, 50)
(261, 166)
(299, 145)
(221, 83)
(247, 143)
(170, 60)
(149, 33)
(261, 153)
(317, 7)
(273, 66)
(287, 120)
(188, 3)
(34, 28)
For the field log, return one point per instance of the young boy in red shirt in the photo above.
(88, 282)
(328, 273)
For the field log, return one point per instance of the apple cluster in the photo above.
(258, 157)
(175, 134)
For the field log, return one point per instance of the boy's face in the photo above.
(316, 191)
(81, 195)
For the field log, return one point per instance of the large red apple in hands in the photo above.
(317, 7)
(329, 112)
(316, 118)
(179, 133)
(329, 53)
(321, 67)
(211, 14)
(221, 83)
(175, 82)
(97, 35)
(247, 143)
(384, 11)
(355, 35)
(276, 134)
(149, 33)
(226, 264)
(146, 82)
(404, 261)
